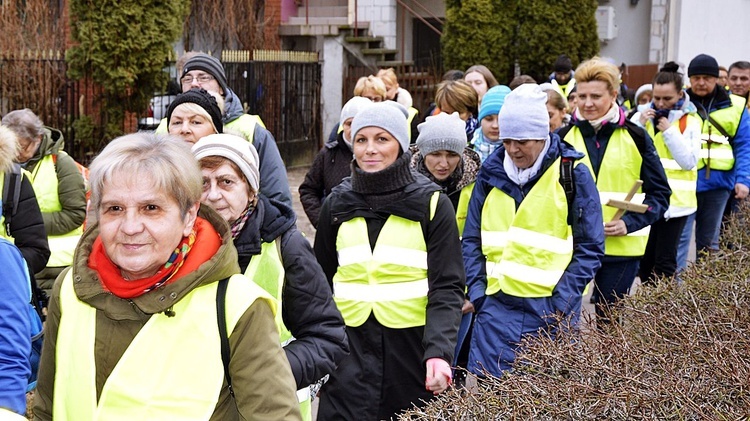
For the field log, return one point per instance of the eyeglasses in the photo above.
(204, 78)
(521, 142)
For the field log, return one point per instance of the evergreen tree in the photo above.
(530, 33)
(123, 46)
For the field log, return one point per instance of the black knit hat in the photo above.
(208, 64)
(202, 98)
(563, 64)
(703, 64)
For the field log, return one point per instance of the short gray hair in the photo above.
(165, 159)
(24, 123)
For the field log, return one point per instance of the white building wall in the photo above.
(631, 45)
(382, 17)
(719, 28)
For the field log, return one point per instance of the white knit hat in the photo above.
(233, 148)
(442, 132)
(524, 114)
(387, 115)
(352, 107)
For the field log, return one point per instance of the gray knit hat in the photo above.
(353, 106)
(442, 132)
(387, 115)
(233, 148)
(524, 114)
(210, 65)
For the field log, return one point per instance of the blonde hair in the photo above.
(167, 161)
(370, 82)
(596, 69)
(458, 95)
(388, 76)
(9, 147)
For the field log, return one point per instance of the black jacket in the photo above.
(27, 228)
(330, 166)
(308, 309)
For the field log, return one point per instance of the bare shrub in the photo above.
(681, 353)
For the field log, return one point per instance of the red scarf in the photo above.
(207, 239)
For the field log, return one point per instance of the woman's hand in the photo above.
(646, 115)
(438, 375)
(615, 228)
(468, 307)
(663, 124)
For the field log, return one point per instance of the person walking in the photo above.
(274, 254)
(533, 236)
(153, 319)
(388, 243)
(618, 154)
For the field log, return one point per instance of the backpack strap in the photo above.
(221, 317)
(11, 195)
(566, 178)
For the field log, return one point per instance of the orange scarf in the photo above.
(207, 240)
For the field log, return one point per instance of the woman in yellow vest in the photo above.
(153, 320)
(59, 187)
(672, 122)
(618, 153)
(388, 244)
(274, 254)
(533, 236)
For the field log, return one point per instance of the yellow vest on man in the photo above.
(718, 154)
(618, 171)
(390, 280)
(148, 385)
(681, 182)
(44, 180)
(526, 253)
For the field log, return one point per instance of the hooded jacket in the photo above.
(308, 309)
(523, 315)
(329, 168)
(71, 189)
(262, 381)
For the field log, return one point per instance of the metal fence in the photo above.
(286, 95)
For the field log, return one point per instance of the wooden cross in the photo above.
(626, 205)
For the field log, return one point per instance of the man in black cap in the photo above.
(562, 78)
(724, 164)
(204, 71)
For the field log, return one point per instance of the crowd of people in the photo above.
(180, 287)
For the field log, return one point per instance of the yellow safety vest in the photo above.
(182, 380)
(718, 154)
(527, 254)
(619, 169)
(412, 114)
(564, 90)
(681, 182)
(462, 210)
(389, 281)
(267, 270)
(44, 180)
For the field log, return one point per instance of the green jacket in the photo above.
(261, 377)
(71, 188)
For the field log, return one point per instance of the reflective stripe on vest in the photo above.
(527, 254)
(44, 180)
(720, 156)
(681, 182)
(389, 281)
(618, 171)
(139, 386)
(462, 210)
(267, 270)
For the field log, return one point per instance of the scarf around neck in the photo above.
(382, 187)
(612, 116)
(522, 176)
(184, 260)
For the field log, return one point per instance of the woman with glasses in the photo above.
(533, 235)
